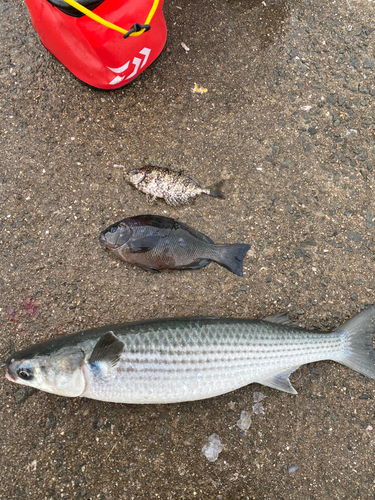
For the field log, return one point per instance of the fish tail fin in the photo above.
(215, 190)
(357, 348)
(231, 256)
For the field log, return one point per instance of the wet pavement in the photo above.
(288, 121)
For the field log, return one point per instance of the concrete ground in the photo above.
(288, 121)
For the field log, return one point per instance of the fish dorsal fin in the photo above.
(280, 319)
(107, 350)
(281, 381)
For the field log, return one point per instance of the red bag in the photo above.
(97, 54)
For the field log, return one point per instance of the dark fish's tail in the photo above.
(231, 256)
(357, 342)
(215, 190)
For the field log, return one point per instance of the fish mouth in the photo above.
(102, 239)
(138, 181)
(109, 246)
(9, 377)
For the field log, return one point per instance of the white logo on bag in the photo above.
(137, 62)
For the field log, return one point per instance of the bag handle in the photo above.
(136, 30)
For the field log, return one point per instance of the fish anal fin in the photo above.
(281, 381)
(148, 268)
(107, 350)
(197, 265)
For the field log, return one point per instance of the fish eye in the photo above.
(113, 229)
(25, 373)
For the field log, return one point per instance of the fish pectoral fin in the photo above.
(108, 349)
(143, 244)
(281, 381)
(151, 199)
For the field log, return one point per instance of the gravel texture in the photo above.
(288, 121)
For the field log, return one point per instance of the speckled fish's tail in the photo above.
(357, 342)
(215, 190)
(231, 256)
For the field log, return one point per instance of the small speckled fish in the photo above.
(173, 185)
(153, 242)
(186, 359)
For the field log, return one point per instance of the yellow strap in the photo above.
(102, 21)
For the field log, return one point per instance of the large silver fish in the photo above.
(174, 360)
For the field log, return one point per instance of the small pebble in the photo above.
(355, 237)
(351, 132)
(368, 64)
(354, 61)
(292, 468)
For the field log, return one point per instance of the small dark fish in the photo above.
(173, 185)
(153, 242)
